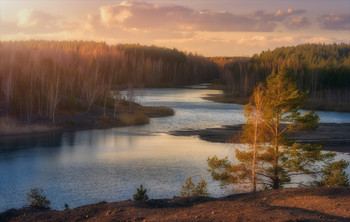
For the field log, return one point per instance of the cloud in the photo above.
(31, 18)
(33, 21)
(132, 19)
(297, 23)
(335, 21)
(277, 16)
(139, 15)
(262, 40)
(225, 21)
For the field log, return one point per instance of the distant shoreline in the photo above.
(334, 137)
(310, 105)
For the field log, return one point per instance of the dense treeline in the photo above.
(323, 70)
(36, 77)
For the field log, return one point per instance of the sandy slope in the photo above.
(299, 204)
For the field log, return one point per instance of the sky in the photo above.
(209, 28)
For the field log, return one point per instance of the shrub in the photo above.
(37, 200)
(334, 174)
(141, 194)
(191, 190)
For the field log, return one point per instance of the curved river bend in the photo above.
(84, 167)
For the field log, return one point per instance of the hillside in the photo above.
(323, 70)
(39, 78)
(300, 204)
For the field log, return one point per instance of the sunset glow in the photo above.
(211, 28)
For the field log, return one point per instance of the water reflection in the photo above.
(103, 165)
(84, 167)
(52, 139)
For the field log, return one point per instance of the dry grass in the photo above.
(129, 119)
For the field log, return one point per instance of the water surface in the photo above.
(85, 167)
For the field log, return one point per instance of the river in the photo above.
(84, 167)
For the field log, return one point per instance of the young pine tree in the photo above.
(141, 194)
(192, 190)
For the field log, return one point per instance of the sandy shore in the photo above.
(334, 137)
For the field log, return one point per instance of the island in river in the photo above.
(97, 118)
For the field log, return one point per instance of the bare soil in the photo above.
(334, 137)
(298, 204)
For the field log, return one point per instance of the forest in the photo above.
(37, 77)
(323, 70)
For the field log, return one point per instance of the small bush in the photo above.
(334, 174)
(141, 194)
(37, 200)
(66, 206)
(191, 190)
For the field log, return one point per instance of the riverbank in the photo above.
(311, 104)
(96, 118)
(294, 204)
(334, 137)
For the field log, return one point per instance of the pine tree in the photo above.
(272, 156)
(282, 118)
(192, 190)
(36, 199)
(141, 194)
(334, 174)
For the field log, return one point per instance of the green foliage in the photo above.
(192, 190)
(271, 156)
(141, 194)
(321, 69)
(66, 206)
(281, 119)
(334, 174)
(37, 200)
